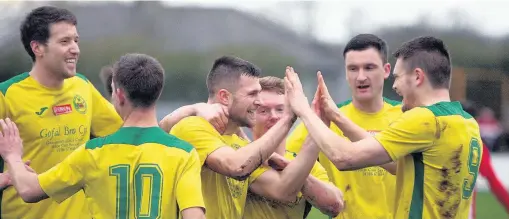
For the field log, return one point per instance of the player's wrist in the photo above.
(337, 118)
(288, 119)
(12, 158)
(307, 113)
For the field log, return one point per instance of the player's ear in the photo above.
(37, 48)
(387, 70)
(419, 76)
(121, 97)
(224, 97)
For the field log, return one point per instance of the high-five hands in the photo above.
(322, 104)
(295, 94)
(328, 107)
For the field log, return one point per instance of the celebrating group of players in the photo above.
(377, 158)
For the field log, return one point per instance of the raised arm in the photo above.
(343, 153)
(221, 158)
(350, 130)
(216, 114)
(241, 163)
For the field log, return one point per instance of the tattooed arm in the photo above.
(240, 163)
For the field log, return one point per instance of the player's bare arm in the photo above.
(193, 213)
(284, 185)
(322, 195)
(350, 130)
(239, 164)
(25, 181)
(5, 177)
(344, 154)
(216, 114)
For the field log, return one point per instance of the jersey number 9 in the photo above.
(474, 158)
(146, 189)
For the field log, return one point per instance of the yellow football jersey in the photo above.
(52, 124)
(260, 207)
(134, 173)
(224, 197)
(438, 149)
(368, 192)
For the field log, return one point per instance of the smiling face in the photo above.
(61, 52)
(365, 73)
(245, 101)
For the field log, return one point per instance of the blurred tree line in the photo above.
(186, 70)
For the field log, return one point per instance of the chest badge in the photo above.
(80, 104)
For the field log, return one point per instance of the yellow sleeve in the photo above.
(3, 106)
(199, 133)
(296, 139)
(105, 119)
(68, 177)
(319, 172)
(189, 193)
(414, 131)
(257, 173)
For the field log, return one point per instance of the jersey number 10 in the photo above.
(474, 158)
(147, 190)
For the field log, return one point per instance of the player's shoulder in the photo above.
(78, 78)
(392, 102)
(136, 136)
(4, 86)
(345, 104)
(393, 107)
(193, 121)
(418, 113)
(447, 108)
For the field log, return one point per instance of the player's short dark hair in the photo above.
(106, 76)
(431, 55)
(365, 41)
(142, 78)
(36, 25)
(273, 84)
(226, 72)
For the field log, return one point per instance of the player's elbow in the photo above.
(335, 207)
(343, 162)
(332, 205)
(332, 211)
(239, 170)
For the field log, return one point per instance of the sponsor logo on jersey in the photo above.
(62, 109)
